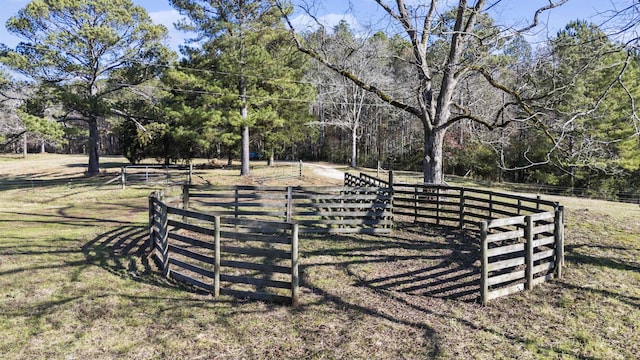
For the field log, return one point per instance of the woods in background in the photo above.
(435, 91)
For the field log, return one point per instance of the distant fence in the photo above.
(244, 258)
(154, 174)
(323, 209)
(521, 238)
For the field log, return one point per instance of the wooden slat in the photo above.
(191, 241)
(542, 279)
(344, 197)
(276, 214)
(271, 253)
(318, 230)
(193, 268)
(543, 254)
(189, 280)
(191, 227)
(255, 295)
(339, 205)
(271, 205)
(348, 222)
(255, 281)
(544, 267)
(543, 241)
(250, 235)
(516, 220)
(543, 228)
(191, 214)
(376, 213)
(229, 230)
(261, 224)
(255, 266)
(499, 279)
(542, 216)
(501, 250)
(499, 265)
(507, 235)
(493, 294)
(191, 254)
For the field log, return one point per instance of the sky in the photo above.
(361, 14)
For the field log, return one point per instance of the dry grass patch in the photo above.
(75, 283)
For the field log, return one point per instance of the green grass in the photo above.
(75, 283)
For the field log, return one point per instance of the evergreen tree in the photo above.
(90, 50)
(245, 58)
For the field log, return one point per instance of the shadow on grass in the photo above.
(123, 251)
(441, 263)
(571, 255)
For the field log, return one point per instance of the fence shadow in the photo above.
(440, 263)
(123, 251)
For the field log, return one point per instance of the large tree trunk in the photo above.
(94, 160)
(244, 168)
(245, 152)
(433, 156)
(271, 160)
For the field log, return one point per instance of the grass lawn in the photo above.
(75, 283)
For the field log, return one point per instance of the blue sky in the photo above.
(362, 13)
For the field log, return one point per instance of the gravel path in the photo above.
(326, 171)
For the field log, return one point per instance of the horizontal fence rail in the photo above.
(154, 174)
(521, 238)
(244, 258)
(327, 209)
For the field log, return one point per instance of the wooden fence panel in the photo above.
(240, 257)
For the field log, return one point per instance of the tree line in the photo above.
(435, 90)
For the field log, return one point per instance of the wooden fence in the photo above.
(323, 209)
(153, 174)
(521, 238)
(519, 252)
(244, 258)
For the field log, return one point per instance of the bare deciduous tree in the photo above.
(466, 42)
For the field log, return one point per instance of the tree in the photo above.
(241, 53)
(596, 106)
(90, 50)
(467, 42)
(343, 103)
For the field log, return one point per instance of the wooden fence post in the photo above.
(438, 205)
(528, 234)
(289, 203)
(559, 240)
(235, 211)
(216, 269)
(461, 208)
(300, 169)
(295, 295)
(190, 173)
(491, 205)
(123, 177)
(185, 196)
(152, 204)
(484, 264)
(165, 239)
(415, 204)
